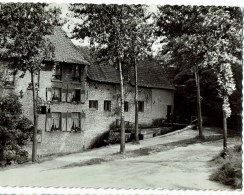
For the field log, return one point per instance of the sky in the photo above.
(71, 21)
(152, 8)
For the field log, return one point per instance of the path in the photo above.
(178, 168)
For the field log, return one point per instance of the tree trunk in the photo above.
(199, 110)
(225, 130)
(122, 124)
(136, 106)
(34, 147)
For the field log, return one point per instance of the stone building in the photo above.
(78, 101)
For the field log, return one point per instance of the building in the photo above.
(78, 101)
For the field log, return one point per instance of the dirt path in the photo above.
(176, 168)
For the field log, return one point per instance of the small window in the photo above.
(126, 106)
(43, 110)
(56, 94)
(93, 104)
(76, 73)
(107, 105)
(141, 106)
(57, 73)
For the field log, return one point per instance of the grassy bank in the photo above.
(229, 169)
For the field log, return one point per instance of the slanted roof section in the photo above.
(103, 73)
(150, 74)
(65, 50)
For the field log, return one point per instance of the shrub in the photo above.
(228, 170)
(158, 122)
(15, 130)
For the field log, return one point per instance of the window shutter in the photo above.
(69, 95)
(48, 121)
(49, 94)
(63, 121)
(72, 95)
(82, 96)
(69, 122)
(64, 95)
(82, 121)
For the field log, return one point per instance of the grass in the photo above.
(228, 170)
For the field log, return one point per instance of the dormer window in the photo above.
(57, 71)
(76, 73)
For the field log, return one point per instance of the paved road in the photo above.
(177, 168)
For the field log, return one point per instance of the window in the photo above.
(67, 121)
(76, 95)
(126, 106)
(53, 122)
(76, 73)
(75, 118)
(73, 95)
(57, 72)
(107, 105)
(141, 106)
(56, 94)
(93, 104)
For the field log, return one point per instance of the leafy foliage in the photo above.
(119, 35)
(207, 37)
(15, 130)
(115, 31)
(22, 37)
(23, 29)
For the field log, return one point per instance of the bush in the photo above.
(228, 170)
(158, 122)
(15, 131)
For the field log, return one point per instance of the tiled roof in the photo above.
(103, 73)
(150, 74)
(65, 51)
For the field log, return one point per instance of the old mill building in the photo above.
(79, 101)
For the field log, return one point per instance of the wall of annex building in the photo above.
(98, 121)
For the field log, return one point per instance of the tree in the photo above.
(225, 53)
(23, 29)
(198, 37)
(185, 39)
(114, 32)
(141, 40)
(15, 130)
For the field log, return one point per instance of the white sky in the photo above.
(152, 7)
(72, 21)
